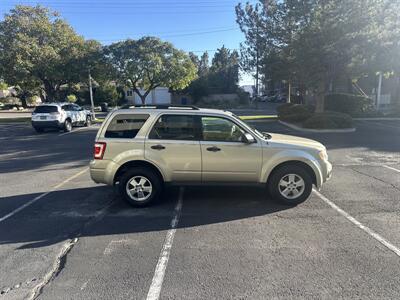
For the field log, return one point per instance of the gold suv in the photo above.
(139, 149)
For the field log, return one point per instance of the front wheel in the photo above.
(290, 185)
(140, 186)
(88, 121)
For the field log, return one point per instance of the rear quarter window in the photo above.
(125, 126)
(45, 109)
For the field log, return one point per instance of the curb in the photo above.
(345, 130)
(376, 119)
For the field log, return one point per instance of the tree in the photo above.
(148, 63)
(37, 46)
(224, 71)
(316, 41)
(108, 93)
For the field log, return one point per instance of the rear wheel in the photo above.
(290, 185)
(140, 186)
(67, 126)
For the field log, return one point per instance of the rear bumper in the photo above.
(47, 124)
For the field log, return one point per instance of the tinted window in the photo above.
(220, 129)
(67, 107)
(174, 127)
(45, 109)
(125, 126)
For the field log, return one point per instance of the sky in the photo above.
(197, 26)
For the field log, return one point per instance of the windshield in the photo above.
(251, 127)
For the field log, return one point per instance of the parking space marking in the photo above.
(159, 272)
(363, 227)
(391, 168)
(41, 195)
(75, 130)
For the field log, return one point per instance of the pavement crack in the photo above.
(61, 259)
(58, 265)
(376, 178)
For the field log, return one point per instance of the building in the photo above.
(159, 95)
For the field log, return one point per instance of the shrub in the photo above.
(328, 120)
(295, 112)
(71, 98)
(348, 104)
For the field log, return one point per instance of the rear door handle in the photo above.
(213, 149)
(158, 147)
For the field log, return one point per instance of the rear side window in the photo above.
(125, 126)
(45, 109)
(174, 127)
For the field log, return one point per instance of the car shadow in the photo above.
(96, 211)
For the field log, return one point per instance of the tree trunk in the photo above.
(23, 100)
(320, 99)
(143, 98)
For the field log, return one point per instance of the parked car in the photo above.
(60, 116)
(141, 149)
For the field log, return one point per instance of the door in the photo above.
(226, 157)
(173, 145)
(71, 113)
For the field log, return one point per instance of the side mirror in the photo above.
(248, 138)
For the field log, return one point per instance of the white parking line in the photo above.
(158, 278)
(368, 230)
(41, 195)
(74, 130)
(391, 168)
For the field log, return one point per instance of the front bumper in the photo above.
(47, 124)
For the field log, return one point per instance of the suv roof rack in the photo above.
(161, 106)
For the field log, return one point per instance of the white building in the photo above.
(159, 95)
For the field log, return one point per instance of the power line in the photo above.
(176, 35)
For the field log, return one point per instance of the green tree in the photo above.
(148, 63)
(108, 93)
(315, 42)
(36, 45)
(224, 71)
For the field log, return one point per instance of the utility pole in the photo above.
(257, 59)
(91, 96)
(379, 94)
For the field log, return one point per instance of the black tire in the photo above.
(139, 172)
(38, 130)
(276, 190)
(88, 121)
(67, 126)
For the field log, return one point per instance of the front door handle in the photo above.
(213, 149)
(158, 147)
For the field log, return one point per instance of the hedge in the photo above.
(348, 104)
(328, 120)
(294, 112)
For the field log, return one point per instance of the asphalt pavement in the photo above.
(64, 237)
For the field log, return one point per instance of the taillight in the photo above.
(99, 149)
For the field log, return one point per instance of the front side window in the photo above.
(174, 127)
(125, 126)
(221, 130)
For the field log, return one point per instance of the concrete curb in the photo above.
(376, 119)
(345, 130)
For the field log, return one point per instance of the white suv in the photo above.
(60, 116)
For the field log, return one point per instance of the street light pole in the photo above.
(91, 95)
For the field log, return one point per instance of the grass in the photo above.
(262, 117)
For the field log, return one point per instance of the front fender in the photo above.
(289, 155)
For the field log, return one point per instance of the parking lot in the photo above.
(64, 237)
